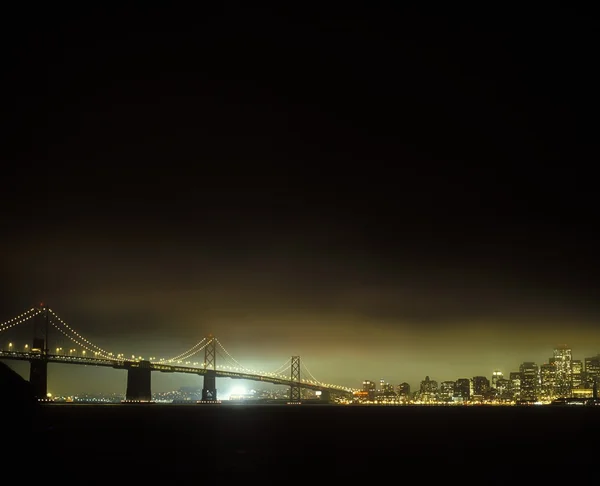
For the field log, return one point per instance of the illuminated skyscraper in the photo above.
(548, 380)
(481, 386)
(577, 373)
(403, 390)
(462, 389)
(428, 390)
(530, 380)
(447, 390)
(371, 389)
(515, 379)
(592, 370)
(503, 389)
(496, 375)
(563, 378)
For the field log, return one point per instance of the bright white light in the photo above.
(238, 390)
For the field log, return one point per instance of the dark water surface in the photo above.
(316, 443)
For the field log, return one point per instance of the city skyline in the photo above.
(67, 380)
(368, 189)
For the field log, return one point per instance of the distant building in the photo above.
(503, 389)
(496, 375)
(592, 370)
(387, 390)
(481, 385)
(530, 380)
(563, 379)
(577, 373)
(548, 381)
(447, 391)
(515, 379)
(403, 390)
(370, 388)
(428, 390)
(462, 389)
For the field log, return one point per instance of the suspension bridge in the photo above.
(216, 362)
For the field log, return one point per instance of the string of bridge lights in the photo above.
(190, 352)
(101, 354)
(230, 356)
(308, 371)
(278, 373)
(257, 372)
(284, 367)
(79, 336)
(20, 319)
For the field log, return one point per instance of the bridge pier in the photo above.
(209, 390)
(38, 377)
(325, 396)
(139, 382)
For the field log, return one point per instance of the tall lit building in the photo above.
(592, 370)
(577, 373)
(370, 388)
(428, 390)
(403, 390)
(529, 380)
(462, 389)
(515, 380)
(548, 380)
(388, 390)
(496, 375)
(563, 379)
(447, 390)
(503, 389)
(481, 386)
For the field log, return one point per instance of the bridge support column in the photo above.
(38, 377)
(325, 396)
(139, 382)
(209, 390)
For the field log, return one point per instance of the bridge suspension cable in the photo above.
(284, 367)
(244, 368)
(190, 352)
(309, 373)
(20, 319)
(231, 357)
(79, 339)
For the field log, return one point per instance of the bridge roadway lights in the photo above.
(138, 382)
(38, 377)
(209, 390)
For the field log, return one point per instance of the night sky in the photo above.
(386, 193)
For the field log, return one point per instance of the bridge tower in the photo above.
(38, 367)
(295, 378)
(209, 390)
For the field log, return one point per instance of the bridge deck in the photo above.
(167, 368)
